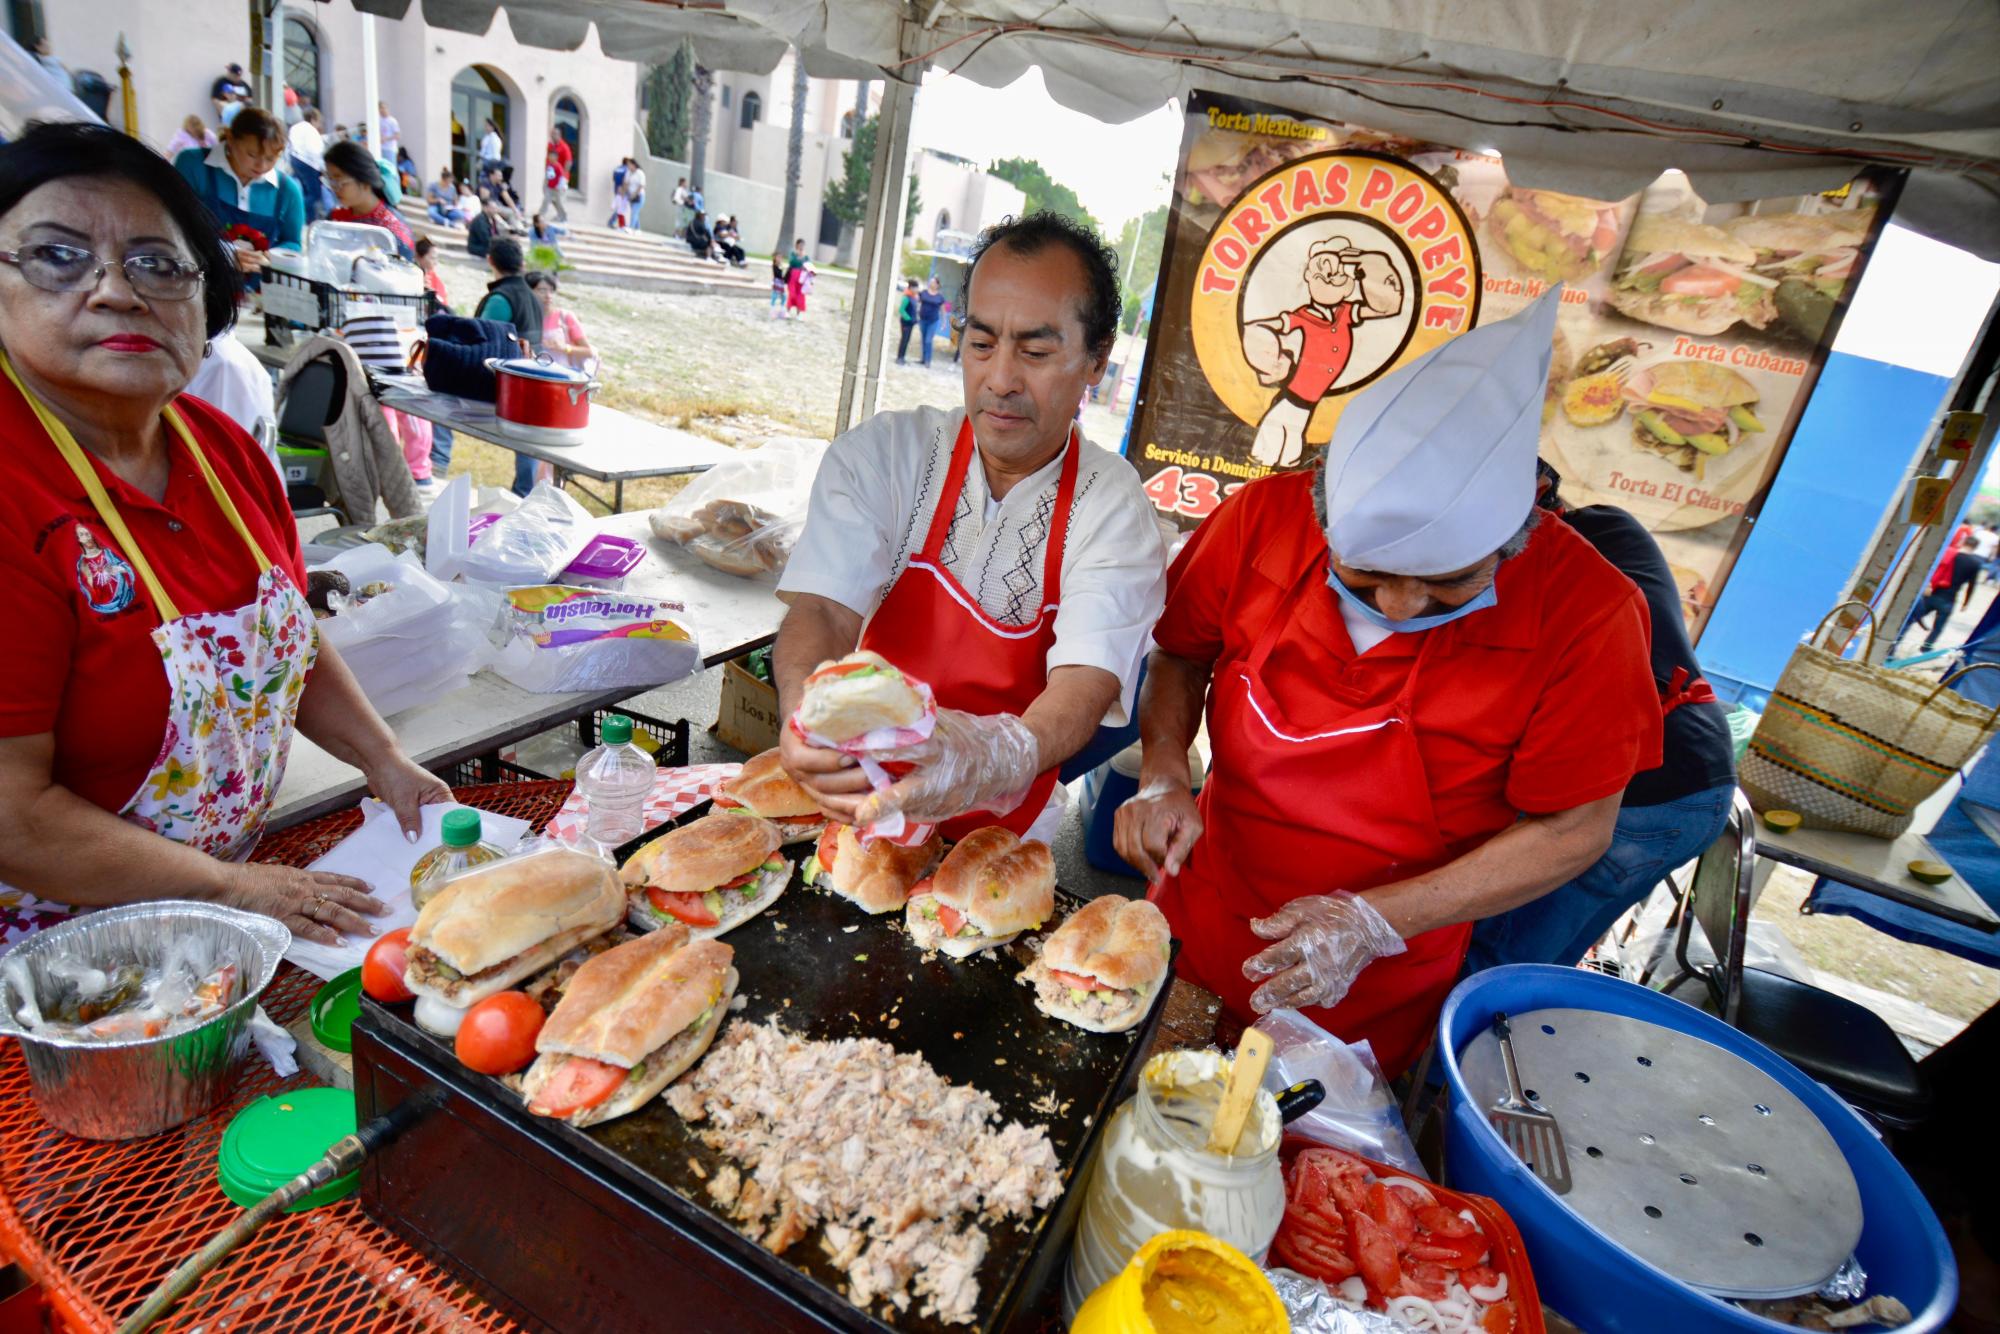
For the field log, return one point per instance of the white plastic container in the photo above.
(615, 780)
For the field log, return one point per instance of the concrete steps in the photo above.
(605, 257)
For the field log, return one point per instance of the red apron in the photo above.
(930, 627)
(1289, 811)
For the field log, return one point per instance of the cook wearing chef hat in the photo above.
(1422, 703)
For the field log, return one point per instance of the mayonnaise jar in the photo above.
(1154, 1173)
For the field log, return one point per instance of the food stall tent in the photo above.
(1750, 101)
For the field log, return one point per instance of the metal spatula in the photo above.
(1529, 1131)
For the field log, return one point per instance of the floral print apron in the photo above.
(233, 684)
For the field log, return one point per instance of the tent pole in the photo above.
(1879, 568)
(371, 88)
(881, 245)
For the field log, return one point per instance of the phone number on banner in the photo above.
(1174, 490)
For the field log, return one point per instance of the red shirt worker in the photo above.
(1423, 705)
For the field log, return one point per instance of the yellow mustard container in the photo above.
(1185, 1282)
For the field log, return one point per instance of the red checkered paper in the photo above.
(675, 792)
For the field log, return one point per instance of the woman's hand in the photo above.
(405, 788)
(249, 259)
(316, 905)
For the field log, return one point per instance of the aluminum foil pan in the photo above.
(140, 1086)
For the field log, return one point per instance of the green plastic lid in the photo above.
(277, 1137)
(334, 1008)
(617, 729)
(461, 827)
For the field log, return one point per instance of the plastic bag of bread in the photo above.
(742, 517)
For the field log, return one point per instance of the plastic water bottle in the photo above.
(615, 779)
(463, 848)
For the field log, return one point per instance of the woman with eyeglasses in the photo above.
(162, 653)
(257, 207)
(355, 178)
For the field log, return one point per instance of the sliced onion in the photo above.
(1353, 1289)
(1414, 1184)
(1489, 1295)
(1416, 1312)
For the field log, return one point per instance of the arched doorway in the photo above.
(302, 61)
(567, 116)
(753, 110)
(477, 96)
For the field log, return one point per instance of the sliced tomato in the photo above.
(743, 879)
(1074, 981)
(1317, 1226)
(838, 669)
(1375, 1256)
(1346, 1176)
(950, 919)
(1479, 1276)
(1699, 280)
(687, 908)
(1312, 1256)
(1424, 1279)
(722, 801)
(829, 841)
(577, 1085)
(1451, 1252)
(1444, 1222)
(1389, 1208)
(1499, 1318)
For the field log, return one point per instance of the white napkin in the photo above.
(378, 853)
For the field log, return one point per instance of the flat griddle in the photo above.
(825, 970)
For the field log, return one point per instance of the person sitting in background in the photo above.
(562, 333)
(356, 181)
(406, 170)
(485, 228)
(496, 189)
(427, 260)
(546, 230)
(239, 183)
(441, 201)
(698, 236)
(726, 241)
(193, 133)
(230, 89)
(510, 300)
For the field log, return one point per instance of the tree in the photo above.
(847, 198)
(1139, 247)
(845, 256)
(668, 89)
(795, 151)
(704, 106)
(1042, 190)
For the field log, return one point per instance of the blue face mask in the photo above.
(1486, 599)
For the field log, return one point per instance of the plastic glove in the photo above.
(1324, 941)
(970, 762)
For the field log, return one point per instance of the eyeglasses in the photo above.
(68, 268)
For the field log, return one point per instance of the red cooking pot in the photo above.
(537, 393)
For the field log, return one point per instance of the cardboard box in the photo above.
(748, 719)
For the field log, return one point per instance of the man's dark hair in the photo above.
(56, 151)
(506, 255)
(358, 164)
(1036, 232)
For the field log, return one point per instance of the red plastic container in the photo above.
(1510, 1253)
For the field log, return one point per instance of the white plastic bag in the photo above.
(412, 638)
(565, 639)
(743, 516)
(544, 533)
(1359, 1113)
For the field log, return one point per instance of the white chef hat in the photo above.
(1432, 467)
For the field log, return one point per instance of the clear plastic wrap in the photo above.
(1358, 1114)
(1323, 941)
(562, 639)
(406, 636)
(531, 545)
(970, 762)
(743, 517)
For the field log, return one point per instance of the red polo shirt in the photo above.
(81, 661)
(1538, 704)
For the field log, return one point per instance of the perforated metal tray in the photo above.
(1683, 1153)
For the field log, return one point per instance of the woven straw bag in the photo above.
(1857, 747)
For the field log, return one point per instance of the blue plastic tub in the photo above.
(1606, 1289)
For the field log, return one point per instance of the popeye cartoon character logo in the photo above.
(104, 578)
(1329, 272)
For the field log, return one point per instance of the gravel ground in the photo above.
(722, 367)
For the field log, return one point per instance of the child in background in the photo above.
(777, 286)
(375, 343)
(798, 288)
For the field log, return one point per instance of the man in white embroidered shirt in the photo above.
(989, 550)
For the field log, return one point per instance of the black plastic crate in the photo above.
(673, 737)
(488, 768)
(336, 303)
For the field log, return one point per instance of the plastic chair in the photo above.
(1843, 1045)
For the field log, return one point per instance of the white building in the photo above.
(959, 197)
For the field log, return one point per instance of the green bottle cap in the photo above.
(617, 730)
(461, 827)
(279, 1136)
(334, 1009)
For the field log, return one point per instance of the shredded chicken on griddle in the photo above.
(883, 1152)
